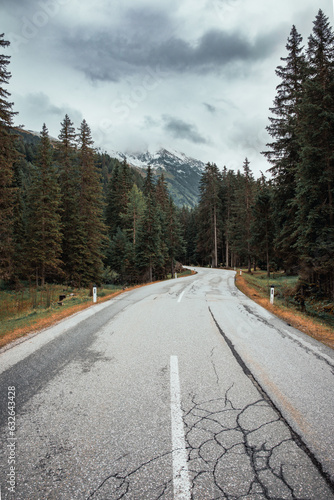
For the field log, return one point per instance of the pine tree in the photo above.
(133, 214)
(228, 191)
(44, 237)
(162, 200)
(132, 220)
(248, 198)
(149, 254)
(209, 214)
(189, 230)
(241, 217)
(262, 229)
(90, 209)
(120, 256)
(119, 188)
(315, 186)
(21, 182)
(72, 224)
(7, 158)
(114, 202)
(284, 153)
(175, 242)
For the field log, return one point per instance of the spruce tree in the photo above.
(175, 242)
(7, 158)
(72, 224)
(284, 153)
(113, 202)
(119, 188)
(90, 209)
(262, 228)
(133, 214)
(149, 255)
(228, 192)
(315, 186)
(120, 256)
(189, 230)
(248, 199)
(44, 236)
(162, 200)
(241, 217)
(209, 214)
(132, 220)
(21, 182)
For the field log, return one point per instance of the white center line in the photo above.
(180, 466)
(180, 298)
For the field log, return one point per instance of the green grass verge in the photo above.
(285, 293)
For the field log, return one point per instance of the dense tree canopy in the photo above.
(7, 158)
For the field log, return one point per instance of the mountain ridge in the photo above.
(182, 173)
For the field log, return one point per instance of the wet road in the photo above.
(182, 389)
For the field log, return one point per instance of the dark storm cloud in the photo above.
(180, 129)
(109, 57)
(147, 23)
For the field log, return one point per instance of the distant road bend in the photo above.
(184, 389)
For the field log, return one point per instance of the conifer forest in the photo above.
(69, 213)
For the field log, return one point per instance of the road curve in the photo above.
(184, 389)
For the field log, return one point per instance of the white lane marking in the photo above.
(180, 466)
(186, 289)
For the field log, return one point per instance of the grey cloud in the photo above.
(41, 102)
(147, 23)
(180, 129)
(40, 106)
(111, 56)
(209, 107)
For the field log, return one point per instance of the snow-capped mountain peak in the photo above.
(182, 173)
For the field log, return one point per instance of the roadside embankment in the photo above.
(312, 326)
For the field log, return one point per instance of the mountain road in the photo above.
(183, 389)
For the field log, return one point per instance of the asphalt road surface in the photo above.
(183, 389)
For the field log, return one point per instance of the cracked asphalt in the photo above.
(93, 400)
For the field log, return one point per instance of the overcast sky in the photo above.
(196, 76)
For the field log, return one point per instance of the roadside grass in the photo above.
(185, 272)
(33, 309)
(315, 321)
(30, 309)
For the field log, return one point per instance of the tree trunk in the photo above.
(330, 202)
(215, 237)
(151, 274)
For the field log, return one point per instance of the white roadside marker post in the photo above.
(94, 294)
(272, 294)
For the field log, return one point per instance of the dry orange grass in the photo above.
(298, 320)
